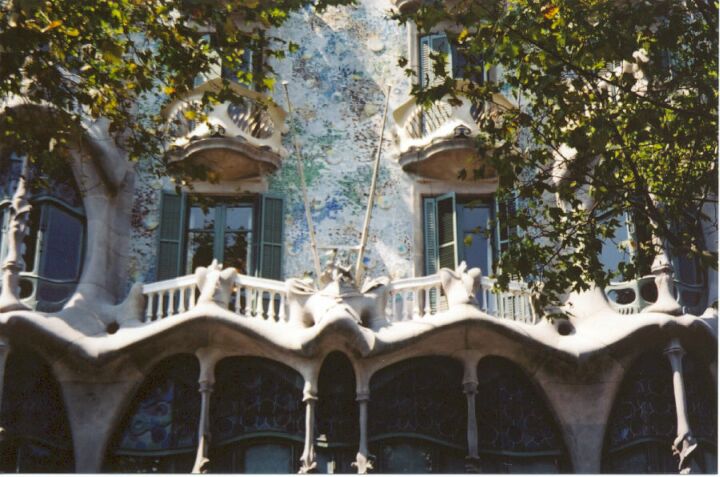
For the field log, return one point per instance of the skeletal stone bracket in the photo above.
(14, 264)
(363, 462)
(685, 443)
(308, 461)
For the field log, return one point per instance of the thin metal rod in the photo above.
(371, 197)
(303, 187)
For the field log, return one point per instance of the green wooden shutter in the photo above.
(172, 228)
(270, 241)
(447, 231)
(437, 43)
(430, 232)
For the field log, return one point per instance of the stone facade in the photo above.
(412, 370)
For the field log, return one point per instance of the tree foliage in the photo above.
(67, 64)
(617, 103)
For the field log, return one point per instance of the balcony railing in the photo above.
(633, 296)
(247, 131)
(260, 298)
(421, 298)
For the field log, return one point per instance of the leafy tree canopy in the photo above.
(69, 63)
(617, 114)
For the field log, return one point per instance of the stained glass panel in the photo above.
(256, 395)
(420, 396)
(511, 415)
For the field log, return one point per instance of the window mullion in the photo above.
(219, 234)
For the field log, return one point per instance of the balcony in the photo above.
(440, 141)
(411, 299)
(237, 140)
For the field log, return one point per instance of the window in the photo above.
(243, 232)
(55, 245)
(222, 70)
(456, 230)
(438, 44)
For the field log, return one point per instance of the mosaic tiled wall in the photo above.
(337, 82)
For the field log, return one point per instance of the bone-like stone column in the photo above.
(685, 443)
(18, 230)
(4, 351)
(472, 460)
(362, 459)
(206, 380)
(308, 463)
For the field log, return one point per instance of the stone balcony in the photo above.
(439, 141)
(633, 296)
(237, 140)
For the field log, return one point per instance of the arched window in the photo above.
(337, 416)
(55, 244)
(37, 433)
(643, 422)
(257, 417)
(160, 432)
(517, 433)
(418, 417)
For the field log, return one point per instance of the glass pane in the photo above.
(236, 251)
(476, 246)
(268, 459)
(406, 459)
(238, 218)
(201, 220)
(616, 249)
(688, 271)
(62, 245)
(199, 250)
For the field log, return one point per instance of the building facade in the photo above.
(159, 327)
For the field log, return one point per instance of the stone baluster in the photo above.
(208, 358)
(362, 459)
(18, 229)
(685, 443)
(308, 462)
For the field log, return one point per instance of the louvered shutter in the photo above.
(447, 231)
(437, 43)
(172, 228)
(270, 242)
(430, 232)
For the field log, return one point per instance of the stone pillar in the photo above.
(18, 230)
(362, 459)
(206, 380)
(472, 460)
(685, 443)
(307, 460)
(4, 351)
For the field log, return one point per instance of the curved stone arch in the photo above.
(159, 426)
(34, 418)
(105, 179)
(257, 415)
(642, 424)
(417, 423)
(518, 428)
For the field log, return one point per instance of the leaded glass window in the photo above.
(517, 433)
(37, 433)
(337, 416)
(54, 248)
(643, 422)
(417, 416)
(160, 432)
